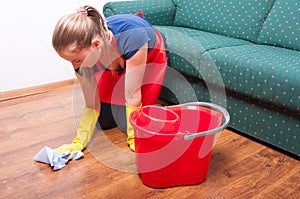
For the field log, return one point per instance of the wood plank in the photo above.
(23, 92)
(239, 167)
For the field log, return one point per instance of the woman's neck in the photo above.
(110, 57)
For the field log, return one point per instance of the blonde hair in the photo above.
(78, 29)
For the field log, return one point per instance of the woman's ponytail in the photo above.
(95, 16)
(78, 28)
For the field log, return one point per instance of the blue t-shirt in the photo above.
(131, 33)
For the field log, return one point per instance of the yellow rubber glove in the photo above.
(130, 130)
(84, 131)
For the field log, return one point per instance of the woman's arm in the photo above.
(135, 68)
(89, 115)
(88, 84)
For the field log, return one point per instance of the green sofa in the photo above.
(243, 55)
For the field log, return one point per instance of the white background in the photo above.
(27, 56)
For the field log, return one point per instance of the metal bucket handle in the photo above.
(218, 108)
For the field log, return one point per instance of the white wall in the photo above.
(27, 56)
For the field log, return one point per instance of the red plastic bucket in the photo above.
(173, 144)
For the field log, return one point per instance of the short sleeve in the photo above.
(130, 41)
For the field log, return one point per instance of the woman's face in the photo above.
(86, 57)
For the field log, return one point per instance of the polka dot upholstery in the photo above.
(267, 73)
(242, 55)
(241, 19)
(161, 13)
(282, 27)
(186, 45)
(266, 122)
(254, 118)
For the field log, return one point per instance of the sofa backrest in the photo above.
(282, 26)
(160, 12)
(237, 18)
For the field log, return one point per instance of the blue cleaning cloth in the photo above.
(56, 160)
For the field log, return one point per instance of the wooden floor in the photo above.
(239, 167)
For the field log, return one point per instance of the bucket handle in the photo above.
(212, 131)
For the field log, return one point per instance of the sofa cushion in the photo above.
(267, 73)
(162, 14)
(282, 27)
(185, 46)
(241, 19)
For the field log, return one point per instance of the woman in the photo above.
(120, 64)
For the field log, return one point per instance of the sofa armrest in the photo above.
(158, 12)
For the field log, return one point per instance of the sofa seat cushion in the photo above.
(267, 73)
(185, 46)
(240, 19)
(282, 27)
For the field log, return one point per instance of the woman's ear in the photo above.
(96, 42)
